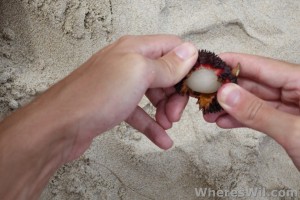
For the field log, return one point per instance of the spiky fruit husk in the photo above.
(208, 103)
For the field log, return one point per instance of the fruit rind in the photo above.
(208, 102)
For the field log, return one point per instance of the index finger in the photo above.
(263, 69)
(151, 46)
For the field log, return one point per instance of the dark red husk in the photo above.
(211, 60)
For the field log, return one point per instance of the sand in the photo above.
(41, 41)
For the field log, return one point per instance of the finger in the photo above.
(262, 69)
(227, 122)
(141, 121)
(169, 91)
(158, 98)
(289, 108)
(222, 119)
(161, 116)
(260, 90)
(175, 106)
(154, 46)
(169, 104)
(255, 113)
(171, 68)
(215, 117)
(155, 95)
(212, 117)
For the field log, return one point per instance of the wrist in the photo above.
(34, 143)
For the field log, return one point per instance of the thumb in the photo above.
(172, 67)
(256, 113)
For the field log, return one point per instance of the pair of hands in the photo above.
(60, 124)
(267, 98)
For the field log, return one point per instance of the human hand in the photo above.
(267, 99)
(60, 124)
(106, 89)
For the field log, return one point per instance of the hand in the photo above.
(267, 99)
(108, 87)
(59, 126)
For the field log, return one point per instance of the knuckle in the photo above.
(137, 67)
(136, 61)
(253, 110)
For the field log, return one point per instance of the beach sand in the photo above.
(41, 41)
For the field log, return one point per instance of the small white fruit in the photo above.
(203, 81)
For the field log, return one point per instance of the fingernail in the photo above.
(185, 51)
(230, 95)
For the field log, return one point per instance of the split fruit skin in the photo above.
(208, 103)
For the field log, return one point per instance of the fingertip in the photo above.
(164, 142)
(185, 51)
(172, 67)
(163, 121)
(141, 121)
(209, 118)
(159, 137)
(229, 96)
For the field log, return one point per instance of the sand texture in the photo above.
(41, 41)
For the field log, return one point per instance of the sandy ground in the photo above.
(41, 41)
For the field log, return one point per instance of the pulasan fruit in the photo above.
(208, 74)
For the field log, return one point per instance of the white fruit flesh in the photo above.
(203, 81)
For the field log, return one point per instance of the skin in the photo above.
(267, 99)
(59, 125)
